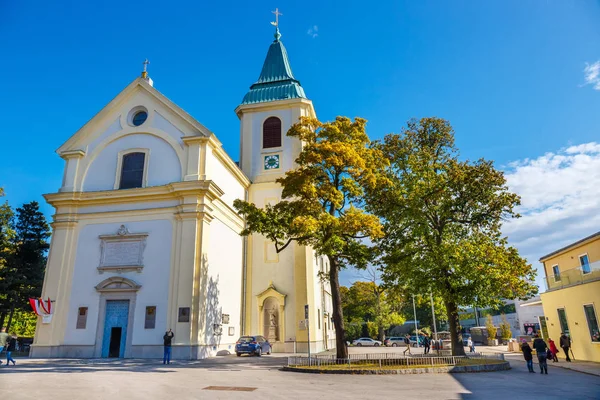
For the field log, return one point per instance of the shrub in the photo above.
(505, 332)
(491, 329)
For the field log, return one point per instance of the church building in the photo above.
(145, 237)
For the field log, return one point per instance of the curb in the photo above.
(408, 371)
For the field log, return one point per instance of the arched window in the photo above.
(132, 171)
(272, 133)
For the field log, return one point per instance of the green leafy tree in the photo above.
(442, 223)
(26, 264)
(23, 323)
(370, 303)
(7, 234)
(322, 201)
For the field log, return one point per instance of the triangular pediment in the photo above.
(111, 116)
(118, 284)
(270, 291)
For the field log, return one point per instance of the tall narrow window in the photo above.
(585, 264)
(590, 315)
(81, 318)
(562, 318)
(132, 171)
(319, 318)
(272, 133)
(556, 273)
(150, 321)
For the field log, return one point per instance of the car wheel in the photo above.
(238, 354)
(259, 352)
(376, 344)
(394, 345)
(359, 344)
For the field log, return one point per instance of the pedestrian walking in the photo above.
(3, 340)
(527, 355)
(541, 349)
(11, 346)
(167, 340)
(553, 349)
(565, 344)
(471, 345)
(426, 343)
(407, 343)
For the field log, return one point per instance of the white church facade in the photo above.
(145, 237)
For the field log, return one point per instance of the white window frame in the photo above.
(588, 257)
(587, 322)
(122, 154)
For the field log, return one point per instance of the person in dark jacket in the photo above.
(527, 355)
(167, 339)
(565, 343)
(541, 349)
(426, 343)
(11, 346)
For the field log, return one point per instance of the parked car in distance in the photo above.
(254, 345)
(413, 341)
(365, 341)
(394, 341)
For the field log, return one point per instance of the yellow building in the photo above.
(572, 300)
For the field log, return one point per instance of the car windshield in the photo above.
(246, 339)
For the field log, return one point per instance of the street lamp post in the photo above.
(433, 316)
(416, 325)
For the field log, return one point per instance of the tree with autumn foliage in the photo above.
(443, 220)
(322, 201)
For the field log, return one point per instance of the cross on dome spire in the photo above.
(276, 24)
(145, 72)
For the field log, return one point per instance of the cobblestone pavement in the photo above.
(182, 380)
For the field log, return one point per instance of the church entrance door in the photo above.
(115, 328)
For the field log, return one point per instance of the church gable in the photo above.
(119, 113)
(140, 121)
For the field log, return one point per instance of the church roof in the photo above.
(276, 80)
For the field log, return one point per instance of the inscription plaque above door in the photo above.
(123, 251)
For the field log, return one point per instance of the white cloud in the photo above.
(591, 74)
(560, 200)
(312, 32)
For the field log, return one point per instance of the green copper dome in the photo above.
(276, 80)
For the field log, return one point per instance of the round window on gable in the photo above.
(139, 118)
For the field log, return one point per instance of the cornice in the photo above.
(175, 190)
(65, 155)
(273, 105)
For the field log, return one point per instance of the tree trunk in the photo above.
(10, 317)
(2, 318)
(455, 333)
(338, 318)
(381, 334)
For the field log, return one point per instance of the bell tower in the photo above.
(278, 285)
(273, 103)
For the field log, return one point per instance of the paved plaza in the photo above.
(146, 379)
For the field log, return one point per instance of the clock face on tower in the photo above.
(272, 161)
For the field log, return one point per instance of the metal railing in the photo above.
(574, 276)
(389, 360)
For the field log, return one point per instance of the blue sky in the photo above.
(508, 75)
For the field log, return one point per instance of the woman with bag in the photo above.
(553, 349)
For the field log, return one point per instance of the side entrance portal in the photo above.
(115, 328)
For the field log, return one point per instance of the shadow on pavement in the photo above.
(560, 383)
(223, 363)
